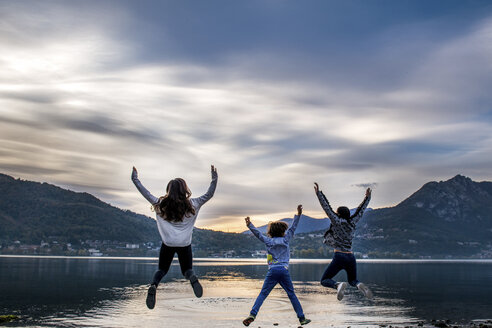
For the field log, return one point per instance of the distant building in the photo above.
(261, 253)
(95, 252)
(132, 246)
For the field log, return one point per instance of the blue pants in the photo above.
(278, 275)
(341, 261)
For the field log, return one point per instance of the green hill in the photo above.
(32, 211)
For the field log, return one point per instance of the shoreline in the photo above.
(250, 260)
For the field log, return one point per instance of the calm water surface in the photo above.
(102, 292)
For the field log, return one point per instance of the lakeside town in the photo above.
(106, 248)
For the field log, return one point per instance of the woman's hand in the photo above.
(316, 187)
(248, 221)
(299, 210)
(213, 170)
(134, 173)
(368, 192)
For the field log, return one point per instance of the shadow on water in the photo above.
(111, 293)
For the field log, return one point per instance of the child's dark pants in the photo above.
(166, 255)
(341, 261)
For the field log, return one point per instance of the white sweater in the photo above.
(177, 234)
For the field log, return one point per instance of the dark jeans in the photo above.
(166, 255)
(278, 275)
(341, 261)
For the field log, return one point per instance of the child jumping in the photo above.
(176, 214)
(277, 244)
(339, 236)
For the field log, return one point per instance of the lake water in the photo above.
(104, 292)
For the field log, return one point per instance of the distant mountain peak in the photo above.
(457, 199)
(460, 179)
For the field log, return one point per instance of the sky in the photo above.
(276, 94)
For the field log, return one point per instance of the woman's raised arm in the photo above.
(147, 195)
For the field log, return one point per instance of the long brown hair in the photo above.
(175, 205)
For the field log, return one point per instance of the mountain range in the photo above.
(446, 217)
(441, 219)
(306, 224)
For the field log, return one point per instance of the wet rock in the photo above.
(8, 318)
(441, 324)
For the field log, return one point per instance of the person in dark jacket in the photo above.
(340, 236)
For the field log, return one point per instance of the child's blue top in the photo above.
(278, 247)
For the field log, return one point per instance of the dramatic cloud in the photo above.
(366, 185)
(276, 94)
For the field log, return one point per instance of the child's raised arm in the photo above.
(362, 207)
(147, 195)
(257, 232)
(293, 227)
(325, 204)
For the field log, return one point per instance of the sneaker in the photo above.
(151, 296)
(249, 320)
(197, 288)
(304, 321)
(365, 290)
(341, 290)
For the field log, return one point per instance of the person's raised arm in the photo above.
(325, 204)
(211, 189)
(147, 195)
(362, 207)
(266, 240)
(292, 229)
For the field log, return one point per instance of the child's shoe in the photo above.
(249, 320)
(151, 296)
(365, 290)
(341, 290)
(197, 287)
(304, 321)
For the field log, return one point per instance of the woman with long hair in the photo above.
(176, 214)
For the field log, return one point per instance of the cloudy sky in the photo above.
(277, 94)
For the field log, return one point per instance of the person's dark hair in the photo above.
(277, 229)
(343, 212)
(175, 205)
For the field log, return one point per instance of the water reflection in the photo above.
(67, 292)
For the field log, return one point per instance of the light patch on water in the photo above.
(227, 301)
